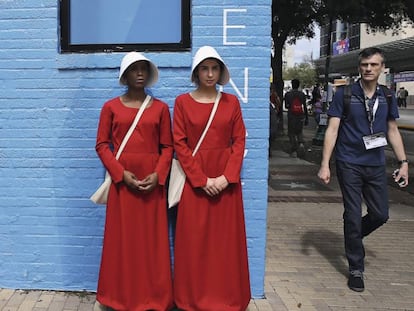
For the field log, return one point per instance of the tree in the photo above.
(305, 72)
(290, 19)
(293, 19)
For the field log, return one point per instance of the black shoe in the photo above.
(356, 281)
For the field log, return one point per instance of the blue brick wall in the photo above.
(50, 233)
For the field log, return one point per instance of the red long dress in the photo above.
(135, 271)
(210, 263)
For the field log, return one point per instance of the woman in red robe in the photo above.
(135, 271)
(210, 262)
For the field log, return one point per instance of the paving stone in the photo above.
(306, 269)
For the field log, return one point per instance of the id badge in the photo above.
(374, 141)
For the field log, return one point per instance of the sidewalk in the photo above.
(305, 268)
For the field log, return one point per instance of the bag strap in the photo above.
(346, 100)
(133, 125)
(348, 94)
(388, 94)
(213, 112)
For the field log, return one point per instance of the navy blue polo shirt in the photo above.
(350, 145)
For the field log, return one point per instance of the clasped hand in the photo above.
(146, 185)
(215, 185)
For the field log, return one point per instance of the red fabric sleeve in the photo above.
(166, 146)
(103, 145)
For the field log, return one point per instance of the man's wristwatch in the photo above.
(403, 161)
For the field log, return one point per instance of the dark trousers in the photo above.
(368, 183)
(295, 131)
(402, 102)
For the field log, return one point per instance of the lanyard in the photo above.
(371, 107)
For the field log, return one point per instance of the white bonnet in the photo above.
(204, 53)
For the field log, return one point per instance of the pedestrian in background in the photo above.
(316, 92)
(402, 97)
(295, 103)
(359, 134)
(135, 271)
(274, 108)
(317, 108)
(210, 263)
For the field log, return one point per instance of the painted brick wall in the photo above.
(50, 233)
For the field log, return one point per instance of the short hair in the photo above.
(295, 83)
(368, 52)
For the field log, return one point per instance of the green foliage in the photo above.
(294, 19)
(378, 14)
(305, 72)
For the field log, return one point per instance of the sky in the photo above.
(304, 48)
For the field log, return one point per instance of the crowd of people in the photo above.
(310, 105)
(207, 136)
(315, 103)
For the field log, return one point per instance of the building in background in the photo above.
(349, 39)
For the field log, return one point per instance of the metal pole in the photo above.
(320, 132)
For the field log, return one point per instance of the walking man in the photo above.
(359, 132)
(295, 103)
